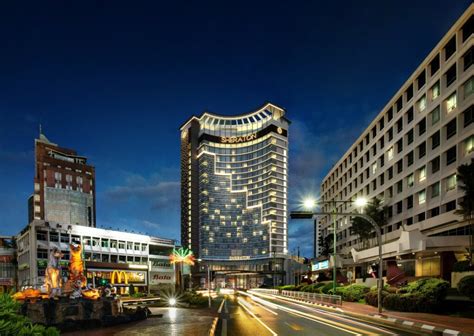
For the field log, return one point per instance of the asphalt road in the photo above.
(251, 315)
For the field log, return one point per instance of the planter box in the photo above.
(457, 276)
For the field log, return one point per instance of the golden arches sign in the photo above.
(118, 275)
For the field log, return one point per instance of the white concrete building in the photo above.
(408, 157)
(134, 258)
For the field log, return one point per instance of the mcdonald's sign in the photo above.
(119, 276)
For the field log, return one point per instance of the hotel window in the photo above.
(399, 125)
(435, 189)
(410, 137)
(390, 153)
(422, 174)
(399, 207)
(469, 144)
(450, 155)
(451, 129)
(435, 115)
(468, 115)
(421, 80)
(450, 48)
(451, 102)
(435, 165)
(435, 140)
(468, 87)
(409, 115)
(468, 58)
(399, 104)
(422, 126)
(450, 75)
(421, 150)
(400, 145)
(468, 28)
(421, 104)
(399, 166)
(409, 92)
(410, 202)
(390, 173)
(434, 65)
(374, 167)
(399, 186)
(451, 182)
(389, 114)
(421, 197)
(410, 159)
(390, 134)
(410, 180)
(435, 91)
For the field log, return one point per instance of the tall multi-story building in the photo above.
(7, 264)
(234, 193)
(64, 186)
(408, 157)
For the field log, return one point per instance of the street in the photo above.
(252, 315)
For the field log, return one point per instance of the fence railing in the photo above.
(333, 300)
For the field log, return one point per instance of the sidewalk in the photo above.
(462, 324)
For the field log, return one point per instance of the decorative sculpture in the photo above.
(52, 279)
(76, 265)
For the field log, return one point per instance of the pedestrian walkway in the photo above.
(465, 325)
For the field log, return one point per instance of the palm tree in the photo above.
(465, 175)
(363, 228)
(326, 245)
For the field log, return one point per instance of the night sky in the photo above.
(115, 82)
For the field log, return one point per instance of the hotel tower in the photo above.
(234, 186)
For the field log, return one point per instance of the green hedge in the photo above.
(466, 286)
(425, 295)
(354, 292)
(12, 323)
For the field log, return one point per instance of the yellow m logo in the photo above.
(117, 275)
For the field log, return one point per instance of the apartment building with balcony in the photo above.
(408, 157)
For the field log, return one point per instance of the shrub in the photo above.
(327, 287)
(432, 288)
(409, 302)
(466, 286)
(194, 299)
(354, 292)
(462, 266)
(372, 296)
(287, 287)
(298, 288)
(12, 323)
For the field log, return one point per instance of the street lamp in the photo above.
(360, 202)
(208, 283)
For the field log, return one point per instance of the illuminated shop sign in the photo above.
(320, 265)
(157, 278)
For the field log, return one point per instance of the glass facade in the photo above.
(242, 168)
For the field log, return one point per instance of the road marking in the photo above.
(241, 303)
(220, 307)
(337, 325)
(294, 326)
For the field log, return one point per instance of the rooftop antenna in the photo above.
(40, 129)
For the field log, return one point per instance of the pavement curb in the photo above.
(391, 321)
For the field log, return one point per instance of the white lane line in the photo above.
(322, 312)
(241, 302)
(267, 309)
(220, 307)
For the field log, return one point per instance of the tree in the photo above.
(326, 245)
(363, 228)
(465, 176)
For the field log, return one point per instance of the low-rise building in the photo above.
(116, 257)
(7, 264)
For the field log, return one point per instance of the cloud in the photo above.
(301, 235)
(157, 193)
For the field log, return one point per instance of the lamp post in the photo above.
(359, 203)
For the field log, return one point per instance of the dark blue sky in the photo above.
(115, 82)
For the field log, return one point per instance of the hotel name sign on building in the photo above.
(239, 139)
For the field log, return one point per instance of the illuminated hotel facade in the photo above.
(234, 193)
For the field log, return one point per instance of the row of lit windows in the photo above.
(449, 78)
